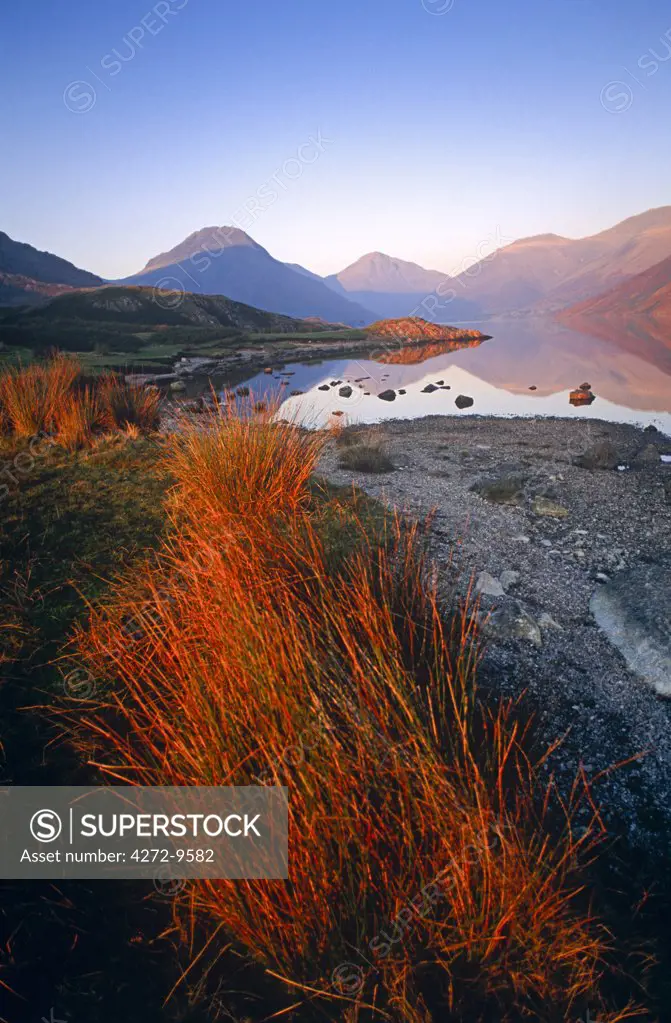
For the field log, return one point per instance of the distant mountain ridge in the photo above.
(395, 288)
(548, 272)
(28, 275)
(639, 306)
(226, 261)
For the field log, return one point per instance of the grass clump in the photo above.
(365, 458)
(55, 399)
(422, 831)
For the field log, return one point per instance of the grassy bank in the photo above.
(434, 874)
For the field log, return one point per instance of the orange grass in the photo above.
(78, 418)
(52, 398)
(125, 404)
(424, 846)
(32, 397)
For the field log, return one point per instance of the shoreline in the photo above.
(541, 549)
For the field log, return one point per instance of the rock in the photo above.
(599, 456)
(440, 383)
(601, 577)
(401, 392)
(647, 457)
(634, 611)
(585, 387)
(546, 543)
(548, 509)
(429, 389)
(346, 391)
(501, 490)
(489, 586)
(463, 401)
(177, 386)
(512, 621)
(446, 387)
(546, 621)
(294, 394)
(581, 396)
(338, 412)
(387, 395)
(521, 538)
(651, 428)
(323, 387)
(533, 388)
(509, 578)
(268, 369)
(243, 392)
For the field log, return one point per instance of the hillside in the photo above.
(129, 322)
(416, 329)
(146, 306)
(548, 272)
(27, 275)
(639, 307)
(226, 261)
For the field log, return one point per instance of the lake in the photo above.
(631, 382)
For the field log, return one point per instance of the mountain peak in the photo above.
(379, 272)
(207, 239)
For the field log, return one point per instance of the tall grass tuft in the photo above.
(125, 404)
(423, 843)
(233, 465)
(32, 397)
(78, 419)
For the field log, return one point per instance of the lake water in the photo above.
(632, 383)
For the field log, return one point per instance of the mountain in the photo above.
(548, 272)
(640, 307)
(28, 276)
(395, 288)
(226, 261)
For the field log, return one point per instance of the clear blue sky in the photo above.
(443, 128)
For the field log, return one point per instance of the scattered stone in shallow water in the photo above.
(463, 401)
(294, 394)
(533, 388)
(446, 387)
(489, 586)
(345, 392)
(548, 509)
(501, 490)
(634, 611)
(323, 387)
(401, 392)
(387, 395)
(440, 383)
(429, 389)
(521, 538)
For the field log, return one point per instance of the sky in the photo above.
(432, 130)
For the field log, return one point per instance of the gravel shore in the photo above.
(564, 531)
